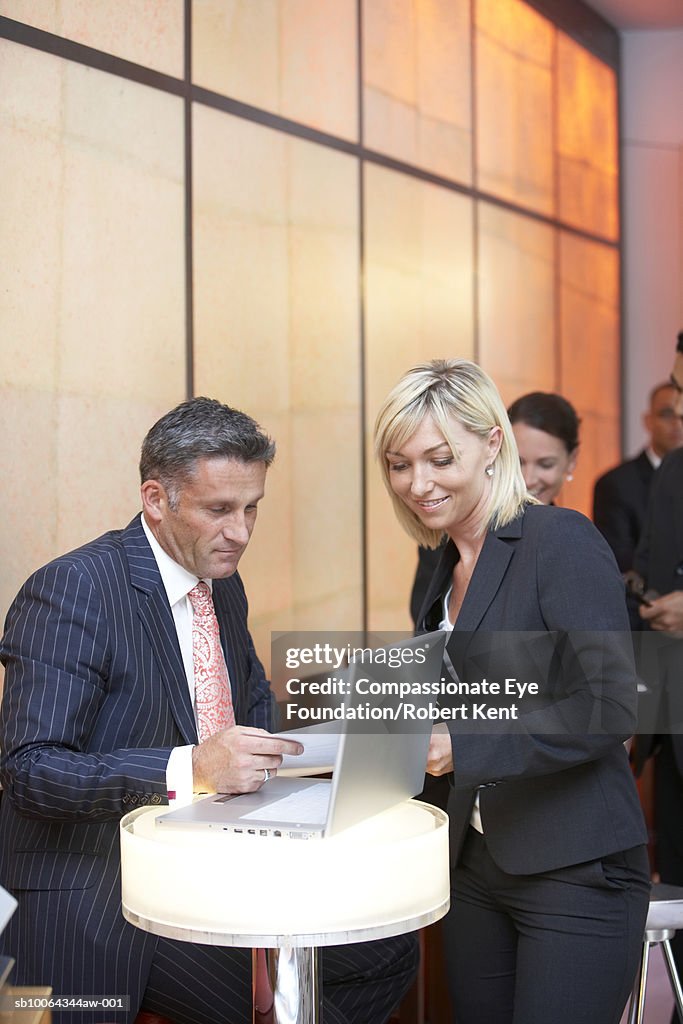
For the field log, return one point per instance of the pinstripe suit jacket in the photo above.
(95, 699)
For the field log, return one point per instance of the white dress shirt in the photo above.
(475, 819)
(655, 460)
(178, 582)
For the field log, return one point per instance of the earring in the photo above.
(489, 470)
(569, 477)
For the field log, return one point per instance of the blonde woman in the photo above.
(550, 874)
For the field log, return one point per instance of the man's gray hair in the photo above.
(201, 428)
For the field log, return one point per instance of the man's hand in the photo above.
(440, 754)
(665, 613)
(232, 760)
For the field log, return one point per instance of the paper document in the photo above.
(320, 749)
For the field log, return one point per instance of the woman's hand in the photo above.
(440, 755)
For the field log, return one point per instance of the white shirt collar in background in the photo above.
(653, 457)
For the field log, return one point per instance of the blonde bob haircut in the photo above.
(448, 389)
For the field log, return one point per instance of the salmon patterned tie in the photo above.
(212, 696)
(213, 706)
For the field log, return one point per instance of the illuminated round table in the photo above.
(386, 876)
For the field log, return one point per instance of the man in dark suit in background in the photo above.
(659, 560)
(620, 495)
(101, 715)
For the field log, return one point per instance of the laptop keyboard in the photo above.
(308, 805)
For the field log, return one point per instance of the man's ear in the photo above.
(647, 421)
(154, 501)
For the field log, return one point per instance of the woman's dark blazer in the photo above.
(545, 605)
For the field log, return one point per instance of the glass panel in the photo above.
(277, 334)
(416, 71)
(298, 59)
(587, 130)
(516, 302)
(418, 306)
(514, 103)
(150, 34)
(93, 243)
(93, 310)
(590, 358)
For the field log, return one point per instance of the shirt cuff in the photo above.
(179, 776)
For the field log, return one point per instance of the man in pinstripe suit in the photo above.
(98, 718)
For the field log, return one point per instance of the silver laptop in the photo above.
(379, 761)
